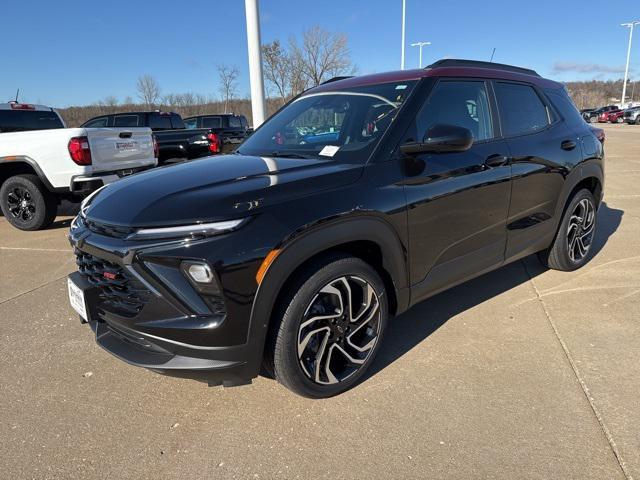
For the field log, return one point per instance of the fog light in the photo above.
(200, 272)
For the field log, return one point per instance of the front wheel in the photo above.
(330, 327)
(571, 248)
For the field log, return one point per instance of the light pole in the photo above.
(630, 26)
(255, 61)
(404, 11)
(420, 45)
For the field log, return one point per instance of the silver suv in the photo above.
(631, 115)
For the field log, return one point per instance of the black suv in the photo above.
(358, 199)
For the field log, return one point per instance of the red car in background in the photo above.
(613, 116)
(617, 116)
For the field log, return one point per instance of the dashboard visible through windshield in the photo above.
(330, 124)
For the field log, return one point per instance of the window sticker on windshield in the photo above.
(329, 150)
(400, 87)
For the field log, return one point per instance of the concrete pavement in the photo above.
(522, 373)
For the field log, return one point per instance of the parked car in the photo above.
(230, 128)
(587, 114)
(595, 116)
(175, 141)
(41, 162)
(631, 115)
(609, 115)
(616, 116)
(294, 254)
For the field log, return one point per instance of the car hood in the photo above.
(214, 188)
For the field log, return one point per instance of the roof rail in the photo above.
(452, 62)
(335, 79)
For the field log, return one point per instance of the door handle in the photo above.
(125, 135)
(568, 145)
(496, 160)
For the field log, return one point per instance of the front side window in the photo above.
(190, 123)
(460, 103)
(234, 122)
(97, 123)
(125, 121)
(521, 110)
(342, 124)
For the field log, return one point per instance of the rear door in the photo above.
(542, 148)
(457, 201)
(120, 148)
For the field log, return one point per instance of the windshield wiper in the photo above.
(289, 155)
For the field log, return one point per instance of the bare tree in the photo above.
(148, 90)
(322, 55)
(277, 68)
(228, 83)
(283, 71)
(111, 101)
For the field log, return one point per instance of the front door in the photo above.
(457, 201)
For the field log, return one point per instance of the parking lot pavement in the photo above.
(522, 373)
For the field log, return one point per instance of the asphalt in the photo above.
(522, 373)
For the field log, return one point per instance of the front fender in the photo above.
(304, 245)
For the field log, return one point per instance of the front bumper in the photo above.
(166, 326)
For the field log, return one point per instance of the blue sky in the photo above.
(65, 53)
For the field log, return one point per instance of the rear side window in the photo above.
(159, 122)
(234, 122)
(23, 120)
(125, 121)
(565, 106)
(176, 121)
(211, 122)
(97, 123)
(521, 110)
(461, 103)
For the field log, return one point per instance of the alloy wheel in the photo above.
(21, 204)
(580, 230)
(339, 330)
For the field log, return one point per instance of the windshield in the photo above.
(343, 124)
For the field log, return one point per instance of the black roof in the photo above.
(452, 62)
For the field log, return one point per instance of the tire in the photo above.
(571, 248)
(318, 349)
(26, 203)
(619, 120)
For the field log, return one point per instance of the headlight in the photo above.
(198, 229)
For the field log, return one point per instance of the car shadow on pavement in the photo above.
(412, 327)
(65, 209)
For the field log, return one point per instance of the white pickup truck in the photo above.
(42, 162)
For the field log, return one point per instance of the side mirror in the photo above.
(441, 138)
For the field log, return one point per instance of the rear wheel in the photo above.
(571, 248)
(330, 329)
(26, 203)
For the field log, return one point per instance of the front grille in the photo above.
(108, 230)
(120, 292)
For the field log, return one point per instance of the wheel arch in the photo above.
(20, 165)
(372, 239)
